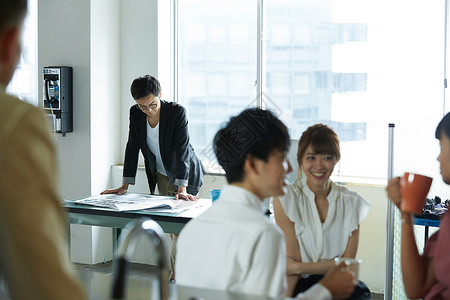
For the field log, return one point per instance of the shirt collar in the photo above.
(332, 196)
(242, 196)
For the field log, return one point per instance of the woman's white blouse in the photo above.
(325, 241)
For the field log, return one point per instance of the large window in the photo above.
(24, 82)
(217, 65)
(354, 65)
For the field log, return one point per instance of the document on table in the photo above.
(183, 206)
(131, 201)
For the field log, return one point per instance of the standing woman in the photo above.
(320, 218)
(159, 129)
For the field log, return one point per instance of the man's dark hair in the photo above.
(144, 86)
(255, 132)
(12, 12)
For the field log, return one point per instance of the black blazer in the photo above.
(178, 156)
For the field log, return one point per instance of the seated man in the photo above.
(233, 246)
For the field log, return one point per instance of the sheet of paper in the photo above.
(198, 206)
(130, 201)
(183, 206)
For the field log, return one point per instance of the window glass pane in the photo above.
(24, 82)
(338, 62)
(217, 66)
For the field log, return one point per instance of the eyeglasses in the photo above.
(151, 106)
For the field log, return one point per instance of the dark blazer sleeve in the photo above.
(180, 161)
(175, 139)
(137, 141)
(132, 148)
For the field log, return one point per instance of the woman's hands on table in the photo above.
(183, 195)
(119, 191)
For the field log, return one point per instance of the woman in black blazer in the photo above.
(159, 129)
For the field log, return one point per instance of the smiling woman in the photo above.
(320, 219)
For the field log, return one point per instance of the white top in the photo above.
(153, 145)
(234, 247)
(325, 241)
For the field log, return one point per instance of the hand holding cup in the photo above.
(414, 189)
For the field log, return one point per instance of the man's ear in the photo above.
(9, 45)
(251, 164)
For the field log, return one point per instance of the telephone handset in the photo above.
(51, 89)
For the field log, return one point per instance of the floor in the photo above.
(140, 283)
(140, 274)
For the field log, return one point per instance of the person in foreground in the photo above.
(233, 246)
(159, 129)
(426, 275)
(320, 219)
(33, 245)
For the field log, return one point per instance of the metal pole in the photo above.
(445, 52)
(260, 54)
(389, 221)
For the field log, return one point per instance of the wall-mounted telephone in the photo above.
(57, 98)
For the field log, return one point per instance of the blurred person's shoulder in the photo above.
(13, 111)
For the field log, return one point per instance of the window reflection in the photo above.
(24, 82)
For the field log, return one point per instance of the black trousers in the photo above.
(361, 291)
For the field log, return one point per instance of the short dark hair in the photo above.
(144, 86)
(443, 127)
(323, 140)
(12, 12)
(254, 131)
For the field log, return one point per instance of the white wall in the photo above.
(105, 90)
(85, 35)
(139, 53)
(108, 43)
(64, 40)
(372, 237)
(105, 102)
